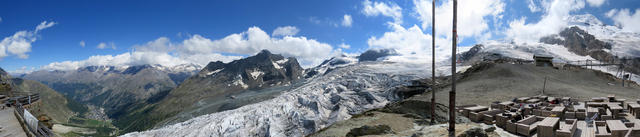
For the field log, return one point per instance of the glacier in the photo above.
(324, 100)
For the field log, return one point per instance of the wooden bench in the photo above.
(615, 110)
(505, 105)
(634, 109)
(617, 128)
(531, 101)
(547, 126)
(522, 99)
(527, 126)
(467, 110)
(601, 129)
(634, 132)
(581, 114)
(489, 116)
(567, 128)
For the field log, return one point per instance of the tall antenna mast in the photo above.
(433, 61)
(452, 93)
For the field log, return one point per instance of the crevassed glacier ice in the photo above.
(306, 109)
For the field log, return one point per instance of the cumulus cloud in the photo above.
(625, 19)
(344, 46)
(19, 44)
(103, 45)
(473, 16)
(385, 9)
(533, 7)
(411, 43)
(82, 44)
(346, 21)
(309, 51)
(551, 22)
(595, 3)
(285, 31)
(200, 50)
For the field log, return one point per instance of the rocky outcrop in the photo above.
(374, 54)
(582, 43)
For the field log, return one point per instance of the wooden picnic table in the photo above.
(547, 126)
(634, 109)
(533, 100)
(522, 99)
(617, 128)
(467, 110)
(506, 104)
(557, 111)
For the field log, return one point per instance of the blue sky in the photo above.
(126, 26)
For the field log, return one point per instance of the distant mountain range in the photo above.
(115, 88)
(54, 105)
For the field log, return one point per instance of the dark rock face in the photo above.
(474, 132)
(580, 42)
(374, 54)
(369, 130)
(262, 70)
(472, 52)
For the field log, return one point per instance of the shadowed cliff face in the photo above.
(582, 43)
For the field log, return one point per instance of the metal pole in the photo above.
(452, 93)
(544, 85)
(433, 61)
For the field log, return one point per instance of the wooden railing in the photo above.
(41, 131)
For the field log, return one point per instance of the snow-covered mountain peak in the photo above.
(584, 19)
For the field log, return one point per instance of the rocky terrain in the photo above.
(217, 81)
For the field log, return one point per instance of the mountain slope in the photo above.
(216, 81)
(54, 104)
(115, 89)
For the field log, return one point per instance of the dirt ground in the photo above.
(502, 82)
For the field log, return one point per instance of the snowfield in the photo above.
(324, 100)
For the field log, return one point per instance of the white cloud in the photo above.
(285, 31)
(347, 20)
(595, 3)
(411, 43)
(82, 44)
(44, 25)
(533, 7)
(20, 43)
(22, 70)
(611, 13)
(200, 50)
(625, 19)
(551, 22)
(385, 9)
(344, 46)
(473, 16)
(0, 19)
(103, 45)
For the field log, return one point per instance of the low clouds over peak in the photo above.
(200, 50)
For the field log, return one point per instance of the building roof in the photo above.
(542, 56)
